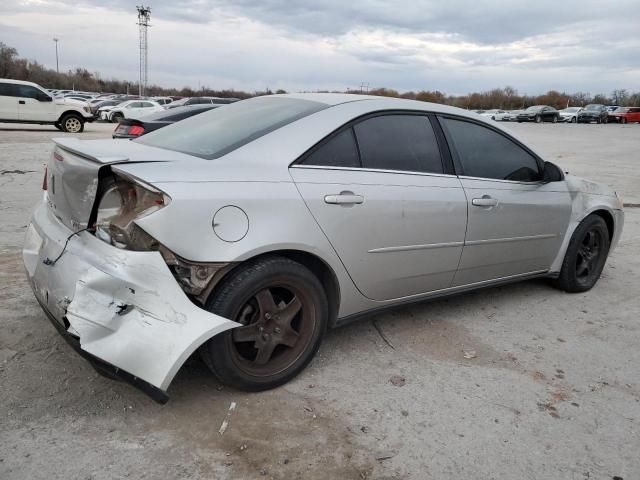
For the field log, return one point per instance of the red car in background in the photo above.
(625, 115)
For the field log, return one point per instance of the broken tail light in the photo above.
(123, 201)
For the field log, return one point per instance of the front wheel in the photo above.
(574, 120)
(116, 117)
(555, 119)
(585, 257)
(72, 123)
(538, 119)
(283, 312)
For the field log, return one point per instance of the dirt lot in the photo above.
(553, 391)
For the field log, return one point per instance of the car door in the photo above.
(35, 105)
(516, 222)
(8, 101)
(633, 115)
(394, 214)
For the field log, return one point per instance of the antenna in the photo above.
(144, 17)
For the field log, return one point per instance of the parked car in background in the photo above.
(511, 115)
(201, 100)
(133, 109)
(245, 232)
(495, 114)
(612, 108)
(624, 115)
(103, 106)
(538, 114)
(132, 128)
(27, 102)
(162, 100)
(569, 114)
(594, 112)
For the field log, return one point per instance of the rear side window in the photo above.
(484, 153)
(338, 151)
(398, 142)
(8, 90)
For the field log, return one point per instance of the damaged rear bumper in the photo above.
(123, 309)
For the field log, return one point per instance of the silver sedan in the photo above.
(247, 231)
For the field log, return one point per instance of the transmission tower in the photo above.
(144, 17)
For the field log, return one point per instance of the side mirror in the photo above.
(552, 173)
(43, 97)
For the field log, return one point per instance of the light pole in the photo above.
(57, 69)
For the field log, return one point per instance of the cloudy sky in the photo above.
(454, 46)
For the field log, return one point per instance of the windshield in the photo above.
(592, 107)
(621, 109)
(571, 109)
(220, 131)
(535, 108)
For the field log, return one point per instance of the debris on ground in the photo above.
(385, 456)
(397, 380)
(225, 422)
(469, 354)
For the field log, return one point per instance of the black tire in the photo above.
(598, 121)
(237, 357)
(574, 120)
(538, 119)
(606, 120)
(58, 125)
(555, 119)
(586, 255)
(116, 117)
(72, 123)
(623, 120)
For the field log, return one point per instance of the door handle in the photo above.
(21, 102)
(344, 198)
(485, 201)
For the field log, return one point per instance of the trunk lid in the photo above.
(73, 173)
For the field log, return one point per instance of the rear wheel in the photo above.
(555, 119)
(586, 255)
(72, 123)
(283, 312)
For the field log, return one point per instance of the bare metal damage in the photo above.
(126, 307)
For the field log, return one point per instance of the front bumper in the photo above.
(124, 308)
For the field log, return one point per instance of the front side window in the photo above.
(339, 151)
(398, 142)
(27, 91)
(484, 153)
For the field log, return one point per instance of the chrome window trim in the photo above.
(373, 170)
(486, 179)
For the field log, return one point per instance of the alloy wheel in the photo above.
(72, 125)
(588, 256)
(278, 323)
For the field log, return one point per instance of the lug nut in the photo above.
(267, 316)
(276, 330)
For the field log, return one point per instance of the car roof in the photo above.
(18, 82)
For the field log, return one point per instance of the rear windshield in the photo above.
(224, 129)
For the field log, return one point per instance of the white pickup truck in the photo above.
(27, 102)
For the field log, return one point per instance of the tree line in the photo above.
(508, 98)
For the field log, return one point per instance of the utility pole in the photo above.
(57, 69)
(364, 85)
(144, 17)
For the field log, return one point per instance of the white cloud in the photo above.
(453, 46)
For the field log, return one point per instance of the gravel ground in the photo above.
(551, 392)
